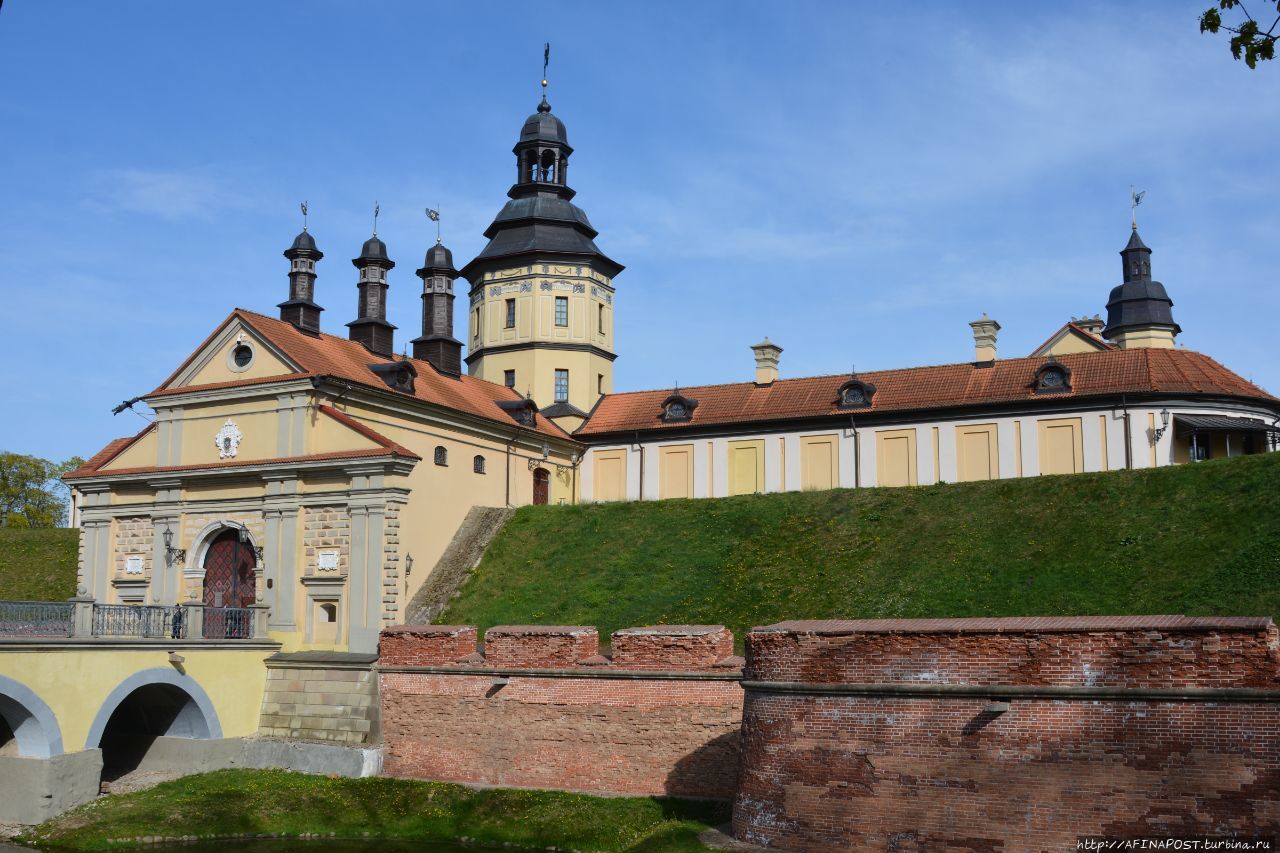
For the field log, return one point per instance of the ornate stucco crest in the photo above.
(228, 440)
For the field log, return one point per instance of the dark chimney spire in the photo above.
(370, 326)
(437, 343)
(300, 309)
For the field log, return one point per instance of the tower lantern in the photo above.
(437, 344)
(1139, 312)
(300, 308)
(370, 326)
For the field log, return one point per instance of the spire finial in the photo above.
(434, 215)
(1135, 199)
(543, 106)
(304, 216)
(376, 210)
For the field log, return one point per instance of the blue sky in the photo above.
(855, 180)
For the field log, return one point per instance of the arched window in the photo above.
(547, 168)
(442, 455)
(477, 464)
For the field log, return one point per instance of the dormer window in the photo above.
(856, 394)
(522, 411)
(1053, 378)
(677, 409)
(398, 375)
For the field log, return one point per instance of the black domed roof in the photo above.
(438, 256)
(1140, 302)
(304, 243)
(373, 250)
(542, 126)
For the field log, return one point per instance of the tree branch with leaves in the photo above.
(1248, 40)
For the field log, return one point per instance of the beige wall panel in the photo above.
(141, 454)
(675, 471)
(219, 367)
(896, 457)
(259, 438)
(609, 472)
(977, 453)
(819, 462)
(746, 467)
(1103, 452)
(223, 491)
(1061, 446)
(1068, 344)
(330, 436)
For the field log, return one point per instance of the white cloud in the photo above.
(171, 195)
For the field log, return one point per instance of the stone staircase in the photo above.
(457, 562)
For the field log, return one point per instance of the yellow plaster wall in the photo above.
(896, 457)
(143, 453)
(76, 682)
(264, 363)
(257, 420)
(819, 462)
(1070, 343)
(609, 475)
(536, 374)
(977, 453)
(675, 471)
(746, 467)
(1061, 446)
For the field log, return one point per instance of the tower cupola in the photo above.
(370, 326)
(300, 308)
(542, 156)
(1139, 312)
(437, 344)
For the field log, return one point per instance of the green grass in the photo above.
(232, 802)
(1194, 539)
(38, 564)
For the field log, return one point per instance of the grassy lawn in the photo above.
(232, 802)
(1192, 539)
(38, 565)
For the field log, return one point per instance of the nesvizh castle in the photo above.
(324, 475)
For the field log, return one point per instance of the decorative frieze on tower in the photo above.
(437, 344)
(1139, 312)
(300, 308)
(370, 326)
(541, 299)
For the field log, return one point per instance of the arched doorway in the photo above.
(230, 586)
(27, 725)
(541, 486)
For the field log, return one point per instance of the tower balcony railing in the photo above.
(84, 618)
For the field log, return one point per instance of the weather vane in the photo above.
(376, 210)
(304, 216)
(434, 215)
(546, 58)
(1135, 199)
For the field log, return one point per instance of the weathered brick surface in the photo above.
(677, 647)
(586, 730)
(823, 772)
(603, 735)
(549, 646)
(134, 535)
(426, 645)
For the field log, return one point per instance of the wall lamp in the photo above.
(171, 554)
(545, 459)
(1164, 424)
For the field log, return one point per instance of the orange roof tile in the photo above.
(113, 449)
(329, 355)
(1093, 374)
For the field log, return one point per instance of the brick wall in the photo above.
(882, 735)
(542, 708)
(326, 528)
(134, 536)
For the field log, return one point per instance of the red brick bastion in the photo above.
(1008, 734)
(542, 708)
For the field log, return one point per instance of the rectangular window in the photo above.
(509, 378)
(562, 386)
(477, 325)
(600, 309)
(511, 313)
(562, 310)
(599, 383)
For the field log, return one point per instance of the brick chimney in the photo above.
(1093, 325)
(766, 353)
(984, 338)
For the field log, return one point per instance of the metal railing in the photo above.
(228, 623)
(37, 618)
(136, 620)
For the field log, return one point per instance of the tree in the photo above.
(1248, 40)
(32, 493)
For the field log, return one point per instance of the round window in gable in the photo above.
(240, 357)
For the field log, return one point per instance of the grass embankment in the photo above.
(266, 802)
(1193, 539)
(38, 565)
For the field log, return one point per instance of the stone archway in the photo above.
(29, 726)
(148, 705)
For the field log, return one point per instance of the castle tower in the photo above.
(300, 308)
(1139, 312)
(437, 344)
(541, 317)
(370, 326)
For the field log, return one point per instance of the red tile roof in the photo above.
(1093, 374)
(329, 355)
(106, 454)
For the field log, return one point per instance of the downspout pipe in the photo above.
(857, 456)
(1128, 434)
(640, 448)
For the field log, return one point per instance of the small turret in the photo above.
(437, 344)
(1139, 312)
(300, 308)
(370, 326)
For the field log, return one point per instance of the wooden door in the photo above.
(541, 487)
(229, 582)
